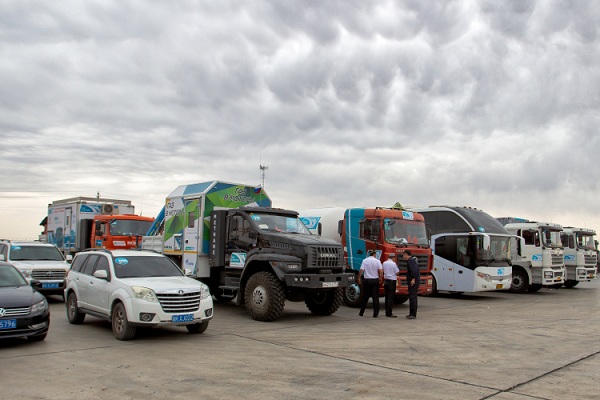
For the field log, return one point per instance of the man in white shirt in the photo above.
(372, 272)
(390, 276)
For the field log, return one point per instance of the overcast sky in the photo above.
(490, 104)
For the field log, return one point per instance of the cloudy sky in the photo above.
(490, 104)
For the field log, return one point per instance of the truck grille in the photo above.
(557, 260)
(422, 259)
(324, 257)
(179, 303)
(17, 311)
(590, 260)
(48, 274)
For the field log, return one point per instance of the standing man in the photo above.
(372, 272)
(413, 278)
(390, 276)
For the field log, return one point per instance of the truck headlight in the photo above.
(144, 293)
(548, 275)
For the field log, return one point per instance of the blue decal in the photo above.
(255, 217)
(121, 261)
(536, 257)
(570, 257)
(310, 222)
(15, 247)
(481, 229)
(500, 271)
(408, 215)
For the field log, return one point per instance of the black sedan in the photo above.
(23, 311)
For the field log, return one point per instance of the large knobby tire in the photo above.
(571, 284)
(74, 316)
(325, 302)
(264, 297)
(197, 328)
(520, 281)
(353, 294)
(121, 327)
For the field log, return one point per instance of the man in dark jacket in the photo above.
(413, 279)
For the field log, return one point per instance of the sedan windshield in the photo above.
(35, 253)
(9, 276)
(145, 267)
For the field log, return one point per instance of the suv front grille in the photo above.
(179, 303)
(48, 274)
(324, 257)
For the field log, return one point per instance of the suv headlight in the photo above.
(144, 293)
(41, 306)
(204, 292)
(26, 273)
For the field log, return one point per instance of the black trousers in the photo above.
(412, 298)
(370, 288)
(389, 286)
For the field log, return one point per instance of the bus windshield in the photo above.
(585, 241)
(401, 231)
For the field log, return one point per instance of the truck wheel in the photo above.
(520, 281)
(571, 284)
(197, 328)
(534, 287)
(324, 302)
(353, 295)
(121, 327)
(264, 297)
(74, 316)
(400, 299)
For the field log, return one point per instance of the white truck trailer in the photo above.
(541, 263)
(580, 255)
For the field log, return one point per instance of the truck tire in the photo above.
(324, 302)
(264, 296)
(353, 295)
(520, 281)
(74, 316)
(121, 327)
(571, 284)
(197, 328)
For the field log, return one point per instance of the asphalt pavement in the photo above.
(498, 345)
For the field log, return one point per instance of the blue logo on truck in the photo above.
(310, 222)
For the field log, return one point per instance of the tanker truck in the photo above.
(385, 230)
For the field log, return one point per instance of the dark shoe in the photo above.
(391, 316)
(374, 316)
(360, 314)
(410, 317)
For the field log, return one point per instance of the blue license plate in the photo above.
(8, 323)
(50, 285)
(182, 318)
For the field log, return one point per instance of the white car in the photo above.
(39, 261)
(132, 289)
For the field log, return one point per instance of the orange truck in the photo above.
(385, 230)
(80, 223)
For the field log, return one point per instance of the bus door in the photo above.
(444, 265)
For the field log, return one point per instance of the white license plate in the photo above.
(8, 323)
(331, 284)
(182, 318)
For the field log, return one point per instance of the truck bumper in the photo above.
(319, 281)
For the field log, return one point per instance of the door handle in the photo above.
(359, 252)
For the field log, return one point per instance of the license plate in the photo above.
(182, 318)
(8, 324)
(499, 286)
(331, 284)
(50, 285)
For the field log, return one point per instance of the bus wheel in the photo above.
(520, 281)
(571, 284)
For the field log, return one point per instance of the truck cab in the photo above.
(580, 255)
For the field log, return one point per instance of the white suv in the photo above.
(132, 289)
(36, 260)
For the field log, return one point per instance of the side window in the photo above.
(366, 229)
(4, 251)
(102, 265)
(79, 262)
(90, 264)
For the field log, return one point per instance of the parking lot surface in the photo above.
(499, 346)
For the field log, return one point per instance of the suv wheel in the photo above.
(73, 314)
(121, 327)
